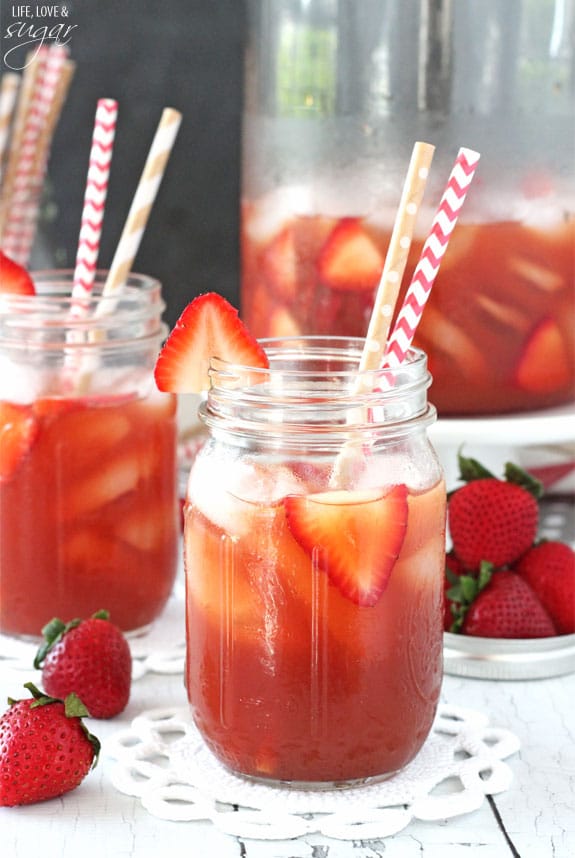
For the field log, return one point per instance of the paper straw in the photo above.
(43, 145)
(141, 205)
(387, 292)
(395, 260)
(32, 72)
(94, 203)
(431, 256)
(51, 121)
(17, 238)
(8, 97)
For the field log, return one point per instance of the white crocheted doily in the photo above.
(160, 650)
(162, 759)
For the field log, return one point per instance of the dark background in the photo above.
(148, 55)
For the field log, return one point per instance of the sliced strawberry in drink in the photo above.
(544, 365)
(283, 324)
(354, 537)
(350, 259)
(14, 279)
(18, 430)
(208, 327)
(279, 264)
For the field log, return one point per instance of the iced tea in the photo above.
(313, 610)
(88, 494)
(96, 491)
(499, 328)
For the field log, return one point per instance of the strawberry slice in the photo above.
(350, 259)
(354, 537)
(13, 278)
(544, 365)
(18, 429)
(280, 264)
(208, 327)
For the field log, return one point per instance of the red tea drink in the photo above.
(498, 329)
(87, 512)
(88, 494)
(314, 627)
(292, 680)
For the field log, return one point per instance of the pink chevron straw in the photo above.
(94, 204)
(20, 223)
(432, 253)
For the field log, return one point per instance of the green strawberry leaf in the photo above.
(471, 469)
(55, 630)
(74, 708)
(464, 592)
(515, 474)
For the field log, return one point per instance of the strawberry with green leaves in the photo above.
(45, 748)
(491, 519)
(90, 658)
(497, 604)
(208, 327)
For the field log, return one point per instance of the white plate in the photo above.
(502, 658)
(552, 426)
(534, 440)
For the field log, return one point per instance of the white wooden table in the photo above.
(535, 818)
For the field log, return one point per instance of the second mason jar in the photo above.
(314, 549)
(88, 495)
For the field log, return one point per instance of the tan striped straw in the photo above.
(141, 205)
(8, 97)
(387, 293)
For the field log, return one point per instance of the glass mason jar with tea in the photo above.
(88, 496)
(314, 550)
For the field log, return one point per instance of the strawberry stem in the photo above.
(55, 630)
(515, 474)
(73, 708)
(466, 588)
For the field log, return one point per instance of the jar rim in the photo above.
(314, 346)
(134, 312)
(321, 399)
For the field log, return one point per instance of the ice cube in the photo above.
(114, 479)
(272, 212)
(232, 494)
(147, 527)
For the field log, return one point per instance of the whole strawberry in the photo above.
(506, 607)
(490, 519)
(89, 657)
(45, 749)
(549, 569)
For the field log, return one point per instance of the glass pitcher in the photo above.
(336, 94)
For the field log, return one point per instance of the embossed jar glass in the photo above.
(88, 496)
(314, 548)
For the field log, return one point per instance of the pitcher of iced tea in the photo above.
(336, 93)
(88, 494)
(314, 550)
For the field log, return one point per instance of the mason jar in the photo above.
(314, 554)
(336, 94)
(88, 496)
